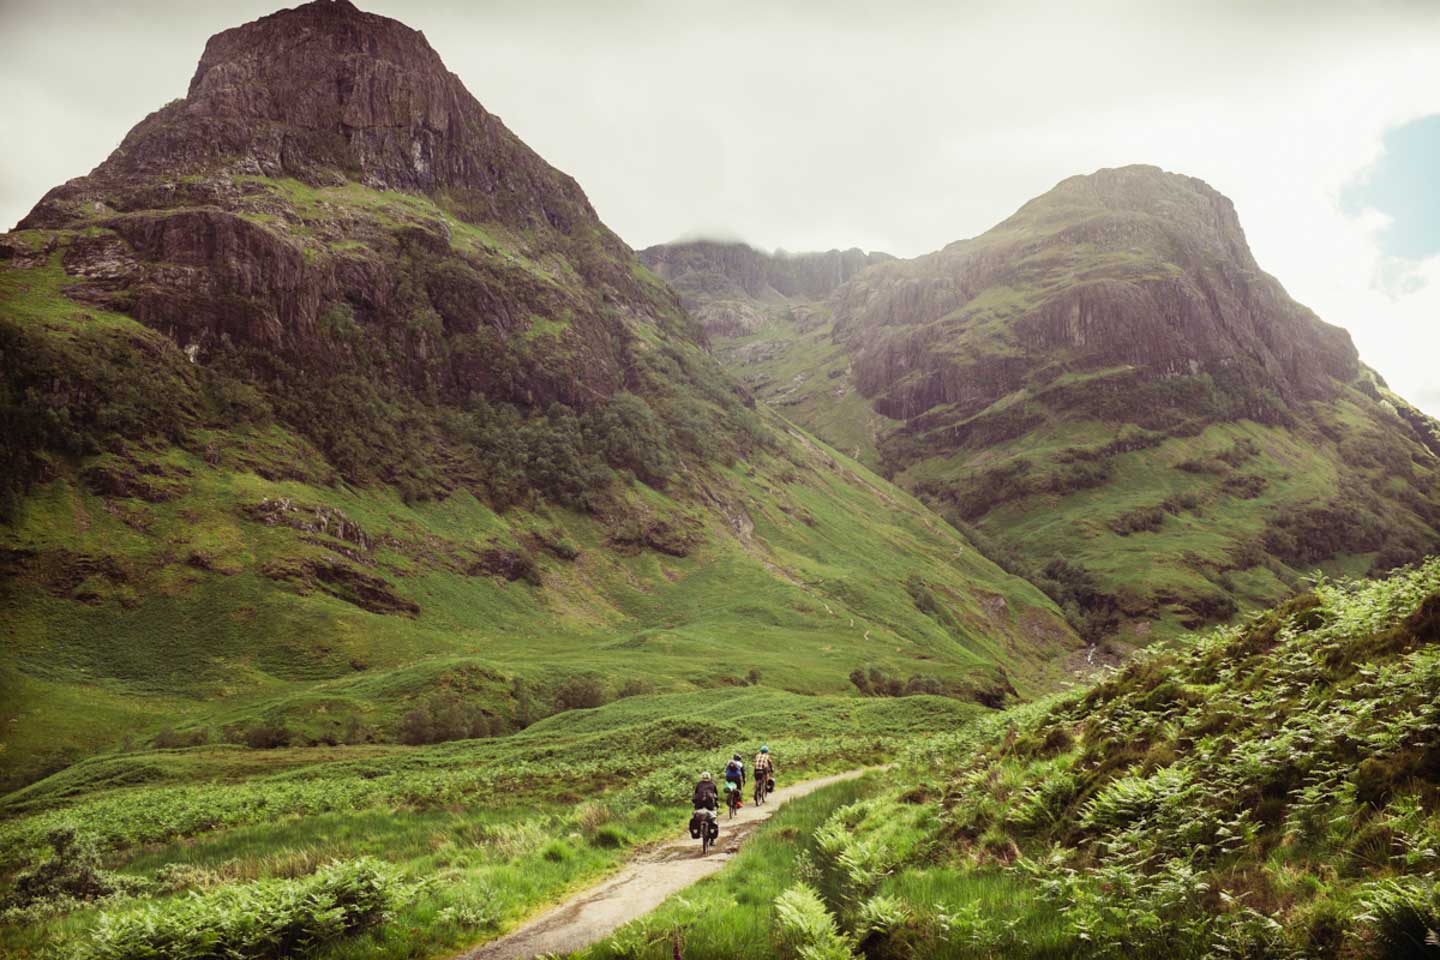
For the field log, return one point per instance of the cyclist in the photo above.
(705, 800)
(764, 768)
(735, 777)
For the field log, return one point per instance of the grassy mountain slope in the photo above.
(185, 623)
(1267, 790)
(333, 414)
(1109, 391)
(771, 323)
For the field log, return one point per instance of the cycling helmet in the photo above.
(737, 756)
(764, 749)
(704, 776)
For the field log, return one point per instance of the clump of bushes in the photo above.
(557, 851)
(1241, 451)
(1139, 520)
(168, 739)
(446, 717)
(580, 692)
(609, 837)
(70, 876)
(262, 736)
(257, 921)
(1178, 503)
(1246, 486)
(878, 683)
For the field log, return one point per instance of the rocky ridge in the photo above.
(1109, 390)
(731, 287)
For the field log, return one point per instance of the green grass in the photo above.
(1262, 790)
(503, 825)
(794, 599)
(731, 913)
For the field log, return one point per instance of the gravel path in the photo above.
(640, 886)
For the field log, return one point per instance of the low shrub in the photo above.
(168, 739)
(180, 877)
(71, 874)
(1405, 915)
(557, 851)
(1139, 520)
(255, 921)
(805, 930)
(609, 837)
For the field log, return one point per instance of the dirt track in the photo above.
(639, 886)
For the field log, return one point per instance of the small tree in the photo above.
(579, 693)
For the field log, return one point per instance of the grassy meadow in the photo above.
(1263, 790)
(469, 837)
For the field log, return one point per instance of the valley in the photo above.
(387, 547)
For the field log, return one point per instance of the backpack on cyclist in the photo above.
(734, 770)
(700, 820)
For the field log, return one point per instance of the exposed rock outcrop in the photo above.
(1133, 267)
(258, 206)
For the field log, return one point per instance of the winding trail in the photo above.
(640, 885)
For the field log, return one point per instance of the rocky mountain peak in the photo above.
(1130, 267)
(326, 93)
(1182, 216)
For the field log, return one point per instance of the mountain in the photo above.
(1108, 388)
(332, 413)
(731, 288)
(769, 318)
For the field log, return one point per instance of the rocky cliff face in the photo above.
(326, 93)
(1109, 387)
(730, 287)
(328, 201)
(1130, 267)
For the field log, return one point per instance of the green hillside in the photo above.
(357, 443)
(1109, 394)
(1267, 790)
(229, 611)
(459, 841)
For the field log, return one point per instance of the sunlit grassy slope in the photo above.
(491, 828)
(221, 578)
(179, 623)
(1266, 790)
(1159, 530)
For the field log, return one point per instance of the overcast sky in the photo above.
(896, 126)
